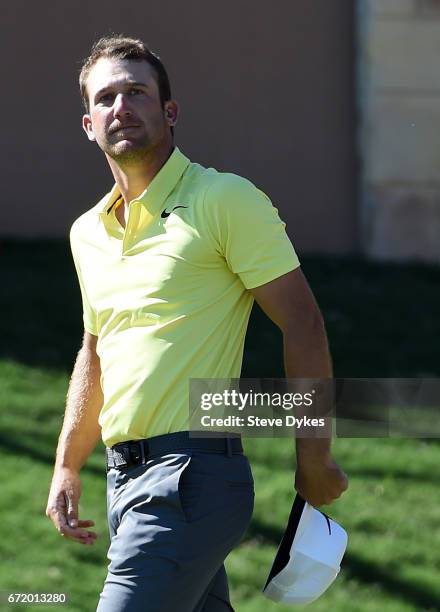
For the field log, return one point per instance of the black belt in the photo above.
(135, 452)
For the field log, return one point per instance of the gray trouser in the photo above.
(172, 523)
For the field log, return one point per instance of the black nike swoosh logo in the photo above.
(328, 524)
(166, 214)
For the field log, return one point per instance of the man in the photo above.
(169, 263)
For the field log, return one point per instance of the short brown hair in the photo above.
(123, 47)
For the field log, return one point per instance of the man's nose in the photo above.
(121, 106)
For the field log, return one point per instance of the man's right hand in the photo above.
(319, 480)
(62, 507)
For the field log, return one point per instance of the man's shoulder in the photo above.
(217, 184)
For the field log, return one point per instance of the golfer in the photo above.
(169, 263)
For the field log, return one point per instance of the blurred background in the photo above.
(332, 109)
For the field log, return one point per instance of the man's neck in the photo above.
(133, 179)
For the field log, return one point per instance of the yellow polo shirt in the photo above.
(168, 295)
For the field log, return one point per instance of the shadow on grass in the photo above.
(277, 462)
(41, 447)
(357, 568)
(369, 573)
(394, 474)
(34, 452)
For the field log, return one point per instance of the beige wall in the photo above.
(400, 98)
(266, 91)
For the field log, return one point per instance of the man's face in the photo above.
(126, 117)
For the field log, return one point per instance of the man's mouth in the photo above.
(123, 128)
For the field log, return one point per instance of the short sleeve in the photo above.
(248, 231)
(89, 314)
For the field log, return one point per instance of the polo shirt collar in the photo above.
(158, 190)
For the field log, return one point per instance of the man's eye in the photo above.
(134, 91)
(106, 97)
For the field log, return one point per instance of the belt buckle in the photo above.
(136, 452)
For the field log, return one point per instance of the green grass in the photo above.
(382, 321)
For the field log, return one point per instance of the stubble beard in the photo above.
(127, 152)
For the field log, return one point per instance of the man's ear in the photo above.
(171, 112)
(87, 127)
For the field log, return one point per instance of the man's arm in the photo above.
(79, 436)
(289, 303)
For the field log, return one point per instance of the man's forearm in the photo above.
(306, 355)
(290, 304)
(81, 431)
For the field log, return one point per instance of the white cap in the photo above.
(308, 558)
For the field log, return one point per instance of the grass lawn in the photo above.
(382, 321)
